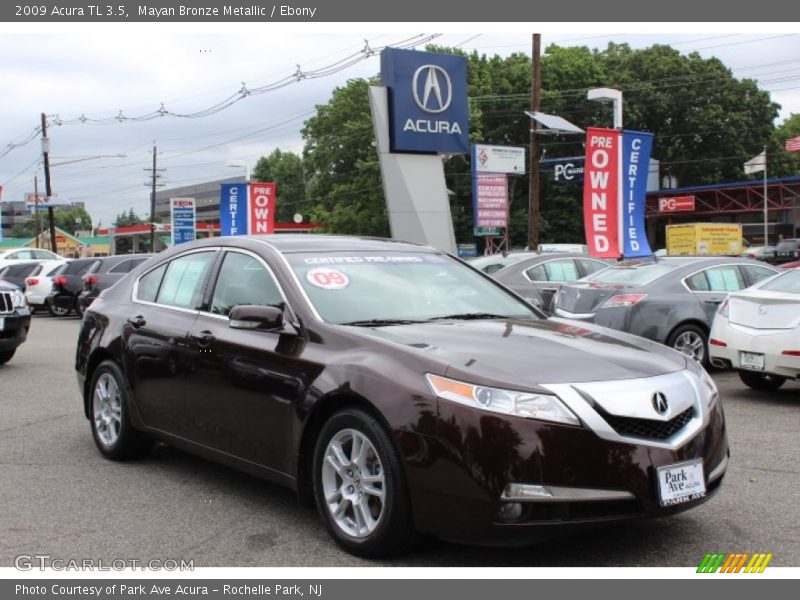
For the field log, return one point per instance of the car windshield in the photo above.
(787, 245)
(632, 275)
(386, 288)
(786, 282)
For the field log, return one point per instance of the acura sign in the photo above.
(427, 101)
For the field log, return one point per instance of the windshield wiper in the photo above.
(380, 322)
(469, 316)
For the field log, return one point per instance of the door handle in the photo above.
(137, 321)
(204, 339)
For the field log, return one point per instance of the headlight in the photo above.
(707, 385)
(505, 402)
(18, 299)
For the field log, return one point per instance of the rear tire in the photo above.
(360, 486)
(58, 311)
(6, 356)
(761, 381)
(690, 340)
(109, 415)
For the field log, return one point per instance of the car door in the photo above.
(155, 337)
(549, 276)
(712, 285)
(244, 384)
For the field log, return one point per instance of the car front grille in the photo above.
(6, 306)
(647, 428)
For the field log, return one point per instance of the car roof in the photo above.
(287, 243)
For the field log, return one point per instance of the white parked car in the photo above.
(12, 255)
(39, 284)
(757, 332)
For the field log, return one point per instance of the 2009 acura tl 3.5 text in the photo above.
(401, 390)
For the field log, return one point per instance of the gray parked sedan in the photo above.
(670, 300)
(540, 276)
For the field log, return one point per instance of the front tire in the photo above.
(6, 356)
(360, 487)
(763, 382)
(110, 415)
(692, 341)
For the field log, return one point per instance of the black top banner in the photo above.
(411, 11)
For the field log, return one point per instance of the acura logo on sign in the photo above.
(433, 83)
(660, 403)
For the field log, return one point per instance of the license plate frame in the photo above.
(752, 361)
(681, 482)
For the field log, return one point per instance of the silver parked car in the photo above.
(670, 300)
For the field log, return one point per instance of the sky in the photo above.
(98, 70)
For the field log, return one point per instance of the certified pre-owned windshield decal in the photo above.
(327, 279)
(342, 260)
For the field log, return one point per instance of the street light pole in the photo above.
(609, 95)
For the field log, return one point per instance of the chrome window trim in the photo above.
(735, 264)
(271, 273)
(135, 286)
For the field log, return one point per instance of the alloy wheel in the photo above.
(107, 407)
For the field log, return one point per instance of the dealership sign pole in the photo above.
(614, 189)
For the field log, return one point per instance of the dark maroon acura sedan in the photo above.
(401, 390)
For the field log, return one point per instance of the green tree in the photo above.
(67, 219)
(286, 170)
(127, 219)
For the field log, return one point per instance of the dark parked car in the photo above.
(786, 251)
(106, 273)
(540, 277)
(15, 320)
(490, 263)
(401, 390)
(67, 284)
(671, 300)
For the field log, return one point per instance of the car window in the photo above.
(21, 255)
(787, 245)
(44, 255)
(54, 270)
(537, 273)
(756, 273)
(591, 266)
(562, 270)
(725, 278)
(243, 280)
(183, 282)
(698, 282)
(124, 266)
(149, 284)
(786, 282)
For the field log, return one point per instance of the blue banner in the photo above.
(233, 209)
(636, 147)
(182, 215)
(427, 101)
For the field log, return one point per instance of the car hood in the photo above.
(528, 353)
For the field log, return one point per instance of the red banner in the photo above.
(262, 208)
(676, 204)
(601, 192)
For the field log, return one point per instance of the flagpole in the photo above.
(766, 236)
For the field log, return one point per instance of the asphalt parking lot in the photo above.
(58, 496)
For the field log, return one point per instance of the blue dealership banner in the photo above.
(636, 147)
(427, 101)
(233, 209)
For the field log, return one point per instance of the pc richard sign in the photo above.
(427, 101)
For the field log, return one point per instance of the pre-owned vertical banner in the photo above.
(636, 147)
(182, 217)
(233, 209)
(262, 208)
(601, 192)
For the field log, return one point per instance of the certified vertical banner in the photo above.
(636, 147)
(182, 216)
(233, 209)
(262, 208)
(601, 191)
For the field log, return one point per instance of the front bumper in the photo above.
(14, 331)
(768, 342)
(461, 492)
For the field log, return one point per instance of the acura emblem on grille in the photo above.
(660, 403)
(762, 310)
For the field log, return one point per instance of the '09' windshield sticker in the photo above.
(327, 279)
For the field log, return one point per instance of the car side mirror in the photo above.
(247, 316)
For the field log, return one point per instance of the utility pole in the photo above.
(47, 185)
(533, 191)
(36, 209)
(154, 176)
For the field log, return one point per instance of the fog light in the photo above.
(509, 512)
